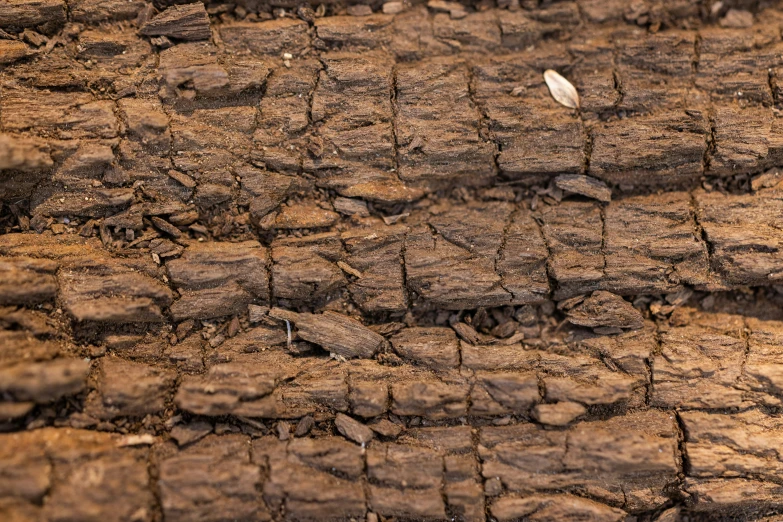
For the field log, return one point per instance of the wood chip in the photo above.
(467, 333)
(359, 10)
(304, 426)
(352, 429)
(393, 7)
(283, 430)
(391, 220)
(558, 414)
(605, 309)
(184, 22)
(386, 428)
(136, 440)
(348, 269)
(561, 89)
(257, 313)
(165, 226)
(335, 332)
(584, 186)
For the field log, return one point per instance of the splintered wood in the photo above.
(455, 261)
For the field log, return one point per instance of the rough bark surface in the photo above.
(290, 261)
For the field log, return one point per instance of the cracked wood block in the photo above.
(522, 260)
(422, 394)
(217, 279)
(214, 475)
(574, 235)
(513, 97)
(369, 387)
(351, 144)
(19, 14)
(63, 115)
(376, 252)
(746, 140)
(24, 153)
(436, 348)
(95, 203)
(263, 191)
(405, 481)
(553, 507)
(42, 382)
(736, 496)
(182, 22)
(313, 478)
(451, 262)
(496, 393)
(464, 494)
(413, 38)
(594, 75)
(660, 149)
(59, 248)
(354, 33)
(113, 290)
(628, 352)
(27, 281)
(743, 236)
(585, 380)
(653, 12)
(93, 11)
(596, 371)
(270, 37)
(239, 387)
(119, 60)
(196, 70)
(476, 32)
(624, 461)
(520, 30)
(94, 285)
(53, 462)
(439, 139)
(606, 310)
(655, 70)
(125, 388)
(652, 245)
(284, 116)
(700, 364)
(146, 122)
(20, 345)
(306, 214)
(305, 269)
(732, 445)
(724, 72)
(498, 357)
(208, 143)
(763, 372)
(270, 384)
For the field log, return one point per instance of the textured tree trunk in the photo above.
(354, 261)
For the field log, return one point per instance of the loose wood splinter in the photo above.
(561, 89)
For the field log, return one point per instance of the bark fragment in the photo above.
(183, 22)
(604, 309)
(335, 332)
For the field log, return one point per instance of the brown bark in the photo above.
(349, 265)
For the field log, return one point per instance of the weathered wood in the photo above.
(184, 22)
(364, 266)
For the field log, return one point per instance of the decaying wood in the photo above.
(291, 262)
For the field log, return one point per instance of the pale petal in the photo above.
(561, 89)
